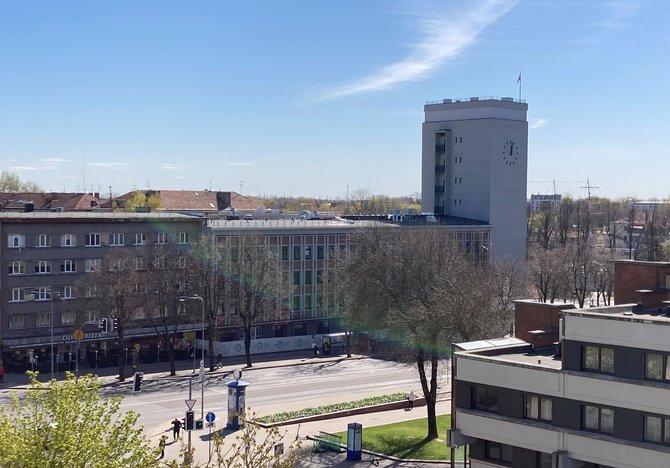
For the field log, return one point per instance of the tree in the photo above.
(67, 423)
(139, 199)
(253, 281)
(564, 219)
(612, 213)
(417, 284)
(210, 282)
(115, 289)
(10, 182)
(168, 273)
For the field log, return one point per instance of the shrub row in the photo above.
(332, 408)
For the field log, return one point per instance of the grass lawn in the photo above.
(408, 439)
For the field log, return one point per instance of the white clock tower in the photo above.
(474, 165)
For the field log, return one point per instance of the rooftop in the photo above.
(476, 99)
(88, 216)
(628, 312)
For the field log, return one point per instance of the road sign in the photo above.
(78, 334)
(210, 417)
(190, 404)
(138, 346)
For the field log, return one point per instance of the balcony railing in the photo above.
(439, 148)
(439, 168)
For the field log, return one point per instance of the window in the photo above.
(93, 264)
(16, 241)
(308, 252)
(657, 367)
(116, 238)
(17, 321)
(140, 238)
(43, 266)
(43, 240)
(657, 429)
(43, 320)
(308, 276)
(67, 317)
(18, 294)
(92, 240)
(595, 358)
(538, 407)
(284, 252)
(485, 399)
(256, 333)
(544, 460)
(181, 262)
(68, 266)
(91, 291)
(42, 294)
(595, 418)
(296, 252)
(161, 238)
(308, 302)
(67, 240)
(161, 262)
(319, 252)
(280, 330)
(17, 268)
(67, 292)
(141, 263)
(497, 451)
(300, 329)
(296, 303)
(296, 278)
(319, 276)
(183, 237)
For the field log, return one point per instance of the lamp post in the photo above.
(196, 297)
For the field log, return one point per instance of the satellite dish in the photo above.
(237, 374)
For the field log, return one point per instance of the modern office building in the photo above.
(474, 165)
(599, 398)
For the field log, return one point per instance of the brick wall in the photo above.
(531, 315)
(630, 276)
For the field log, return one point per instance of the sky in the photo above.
(314, 98)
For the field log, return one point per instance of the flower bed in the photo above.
(332, 408)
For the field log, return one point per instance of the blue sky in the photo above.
(305, 97)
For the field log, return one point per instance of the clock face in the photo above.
(510, 153)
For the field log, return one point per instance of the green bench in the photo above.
(326, 441)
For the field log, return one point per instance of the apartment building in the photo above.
(44, 254)
(598, 398)
(474, 165)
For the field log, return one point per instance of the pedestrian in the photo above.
(161, 445)
(411, 396)
(219, 361)
(176, 427)
(2, 373)
(315, 348)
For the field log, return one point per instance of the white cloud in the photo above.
(445, 38)
(538, 123)
(109, 164)
(179, 177)
(54, 160)
(241, 164)
(170, 167)
(616, 13)
(23, 168)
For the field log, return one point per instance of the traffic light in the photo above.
(115, 324)
(189, 420)
(104, 326)
(137, 381)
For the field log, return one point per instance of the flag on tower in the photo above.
(518, 80)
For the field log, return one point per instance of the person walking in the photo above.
(219, 361)
(161, 445)
(176, 427)
(315, 348)
(2, 373)
(411, 396)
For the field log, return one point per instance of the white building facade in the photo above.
(474, 165)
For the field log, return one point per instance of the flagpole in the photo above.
(519, 81)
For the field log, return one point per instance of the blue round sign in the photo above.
(210, 417)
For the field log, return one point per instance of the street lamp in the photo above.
(51, 295)
(195, 297)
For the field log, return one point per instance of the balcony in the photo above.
(439, 148)
(440, 169)
(439, 189)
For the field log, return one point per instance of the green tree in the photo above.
(139, 199)
(10, 182)
(68, 424)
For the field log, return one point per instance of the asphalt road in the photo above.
(271, 390)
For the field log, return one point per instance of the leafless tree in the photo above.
(417, 284)
(612, 214)
(115, 290)
(564, 219)
(253, 281)
(546, 224)
(603, 276)
(580, 266)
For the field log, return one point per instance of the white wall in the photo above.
(618, 332)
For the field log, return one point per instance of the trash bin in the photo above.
(354, 441)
